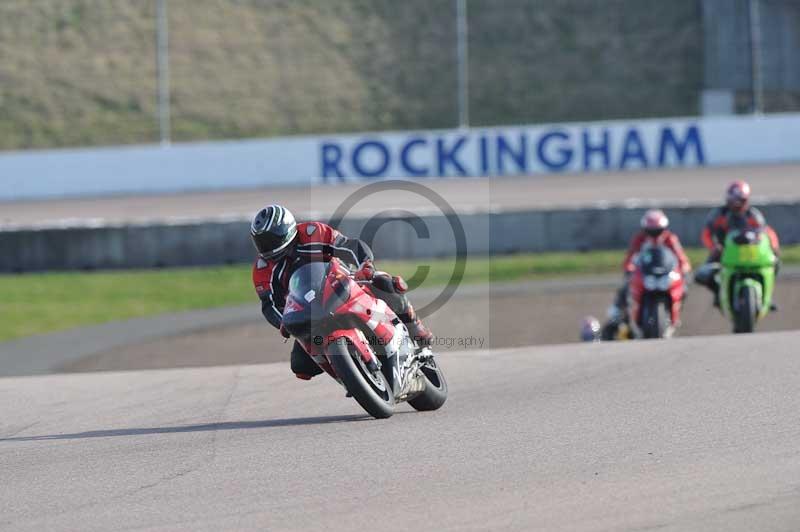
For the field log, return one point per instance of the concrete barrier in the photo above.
(214, 242)
(535, 149)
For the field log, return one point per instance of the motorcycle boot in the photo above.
(393, 291)
(421, 334)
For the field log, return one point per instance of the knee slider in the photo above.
(383, 281)
(400, 284)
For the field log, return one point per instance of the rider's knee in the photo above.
(705, 273)
(700, 277)
(388, 283)
(383, 281)
(391, 291)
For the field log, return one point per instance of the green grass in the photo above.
(40, 303)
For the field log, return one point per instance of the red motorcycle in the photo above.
(358, 340)
(656, 292)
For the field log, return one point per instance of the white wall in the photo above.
(574, 147)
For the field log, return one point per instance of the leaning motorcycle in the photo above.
(746, 278)
(655, 294)
(358, 340)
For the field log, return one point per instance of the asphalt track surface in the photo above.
(700, 185)
(690, 434)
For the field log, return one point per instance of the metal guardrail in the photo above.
(226, 241)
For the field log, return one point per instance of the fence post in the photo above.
(755, 57)
(162, 67)
(462, 51)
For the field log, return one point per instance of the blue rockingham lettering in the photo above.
(497, 152)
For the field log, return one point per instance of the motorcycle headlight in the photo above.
(664, 282)
(655, 283)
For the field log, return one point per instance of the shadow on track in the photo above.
(228, 425)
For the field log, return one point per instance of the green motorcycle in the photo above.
(746, 278)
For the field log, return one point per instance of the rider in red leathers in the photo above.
(655, 225)
(283, 245)
(735, 214)
(654, 229)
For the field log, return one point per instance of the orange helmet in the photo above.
(654, 222)
(737, 197)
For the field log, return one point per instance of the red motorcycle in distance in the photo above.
(656, 293)
(358, 340)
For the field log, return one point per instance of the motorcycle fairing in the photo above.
(659, 262)
(747, 259)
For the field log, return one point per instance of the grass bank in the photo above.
(83, 72)
(39, 303)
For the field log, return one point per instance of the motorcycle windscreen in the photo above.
(304, 307)
(747, 249)
(657, 261)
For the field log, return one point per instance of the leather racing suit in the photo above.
(718, 223)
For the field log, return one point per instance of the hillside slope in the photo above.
(77, 72)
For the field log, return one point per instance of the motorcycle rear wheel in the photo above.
(369, 389)
(435, 393)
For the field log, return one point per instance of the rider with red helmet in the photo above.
(654, 230)
(737, 213)
(283, 245)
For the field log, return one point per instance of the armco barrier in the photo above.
(194, 243)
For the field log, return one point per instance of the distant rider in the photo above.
(283, 245)
(654, 230)
(735, 214)
(590, 329)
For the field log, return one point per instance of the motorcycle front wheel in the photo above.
(746, 311)
(655, 318)
(369, 388)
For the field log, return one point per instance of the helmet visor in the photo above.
(272, 246)
(737, 204)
